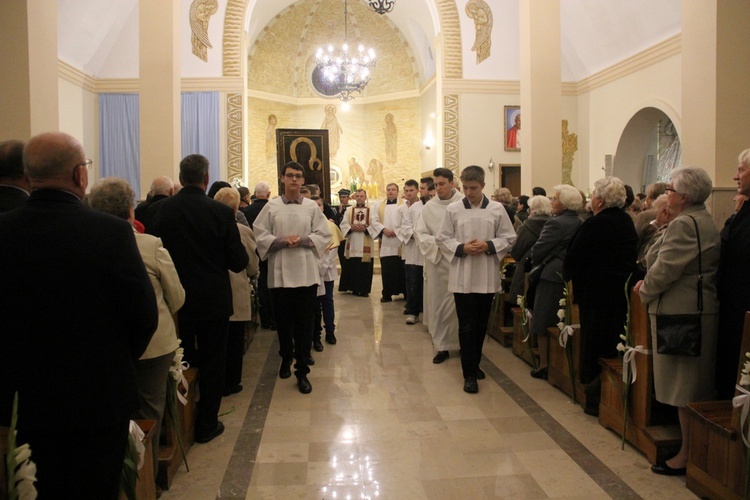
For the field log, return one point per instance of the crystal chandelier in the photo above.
(381, 6)
(345, 72)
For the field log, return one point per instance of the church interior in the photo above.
(632, 87)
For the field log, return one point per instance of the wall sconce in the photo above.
(491, 165)
(428, 142)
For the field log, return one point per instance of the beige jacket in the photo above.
(241, 289)
(170, 296)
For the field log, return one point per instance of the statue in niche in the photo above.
(331, 123)
(271, 138)
(569, 147)
(375, 171)
(355, 170)
(391, 139)
(480, 12)
(200, 13)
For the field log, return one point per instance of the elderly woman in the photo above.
(550, 250)
(652, 232)
(504, 196)
(653, 191)
(116, 197)
(540, 211)
(734, 276)
(241, 296)
(599, 261)
(671, 287)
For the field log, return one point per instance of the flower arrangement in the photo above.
(743, 401)
(174, 395)
(525, 328)
(565, 315)
(133, 461)
(21, 470)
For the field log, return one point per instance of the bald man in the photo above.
(77, 310)
(161, 187)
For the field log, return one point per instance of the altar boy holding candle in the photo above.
(475, 235)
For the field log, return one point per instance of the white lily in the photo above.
(563, 302)
(745, 379)
(621, 347)
(25, 475)
(561, 314)
(561, 325)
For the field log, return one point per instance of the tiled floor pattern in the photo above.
(384, 422)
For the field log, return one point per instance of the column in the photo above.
(160, 137)
(541, 94)
(29, 97)
(715, 76)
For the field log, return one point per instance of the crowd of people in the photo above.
(110, 291)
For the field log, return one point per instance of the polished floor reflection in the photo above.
(383, 421)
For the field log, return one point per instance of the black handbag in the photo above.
(681, 334)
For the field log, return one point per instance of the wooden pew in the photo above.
(496, 327)
(170, 456)
(558, 371)
(520, 347)
(716, 464)
(648, 430)
(145, 488)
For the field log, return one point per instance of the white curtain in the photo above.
(200, 129)
(119, 138)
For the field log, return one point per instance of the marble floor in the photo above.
(383, 421)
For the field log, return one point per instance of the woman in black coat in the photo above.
(527, 234)
(599, 261)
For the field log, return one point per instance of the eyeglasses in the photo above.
(294, 176)
(86, 163)
(671, 189)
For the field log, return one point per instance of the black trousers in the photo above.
(324, 312)
(392, 272)
(473, 310)
(414, 282)
(359, 275)
(235, 353)
(265, 302)
(296, 309)
(210, 358)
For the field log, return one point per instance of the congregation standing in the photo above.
(181, 267)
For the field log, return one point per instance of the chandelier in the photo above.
(381, 6)
(345, 72)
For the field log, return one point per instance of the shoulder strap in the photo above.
(700, 267)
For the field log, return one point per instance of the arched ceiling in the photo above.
(100, 37)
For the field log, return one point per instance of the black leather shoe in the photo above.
(218, 431)
(665, 470)
(318, 345)
(304, 385)
(541, 373)
(285, 370)
(232, 390)
(331, 338)
(440, 357)
(386, 299)
(470, 385)
(310, 361)
(480, 374)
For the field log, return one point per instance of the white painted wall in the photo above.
(79, 117)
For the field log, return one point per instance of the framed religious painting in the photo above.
(309, 148)
(512, 128)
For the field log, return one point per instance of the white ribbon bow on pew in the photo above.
(566, 332)
(138, 436)
(743, 400)
(528, 321)
(628, 361)
(176, 370)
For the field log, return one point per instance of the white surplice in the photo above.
(405, 232)
(463, 223)
(298, 266)
(442, 322)
(389, 245)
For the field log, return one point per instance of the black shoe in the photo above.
(304, 385)
(285, 370)
(386, 299)
(480, 374)
(232, 390)
(591, 410)
(310, 361)
(331, 338)
(406, 312)
(440, 357)
(317, 345)
(665, 470)
(470, 385)
(218, 430)
(541, 373)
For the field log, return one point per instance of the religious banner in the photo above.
(309, 148)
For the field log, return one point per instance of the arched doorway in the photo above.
(649, 148)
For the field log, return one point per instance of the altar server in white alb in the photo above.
(413, 258)
(292, 233)
(442, 322)
(475, 235)
(385, 218)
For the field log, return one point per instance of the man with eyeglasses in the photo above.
(77, 310)
(292, 234)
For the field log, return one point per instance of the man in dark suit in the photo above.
(14, 185)
(77, 310)
(202, 237)
(161, 187)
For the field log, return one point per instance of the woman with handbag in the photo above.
(681, 280)
(540, 211)
(547, 256)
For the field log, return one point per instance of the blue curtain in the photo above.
(200, 128)
(119, 138)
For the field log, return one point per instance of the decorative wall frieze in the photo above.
(450, 132)
(234, 138)
(451, 28)
(232, 44)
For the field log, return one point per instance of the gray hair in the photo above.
(113, 196)
(569, 196)
(228, 196)
(692, 182)
(744, 158)
(540, 205)
(662, 199)
(162, 185)
(262, 189)
(612, 191)
(503, 195)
